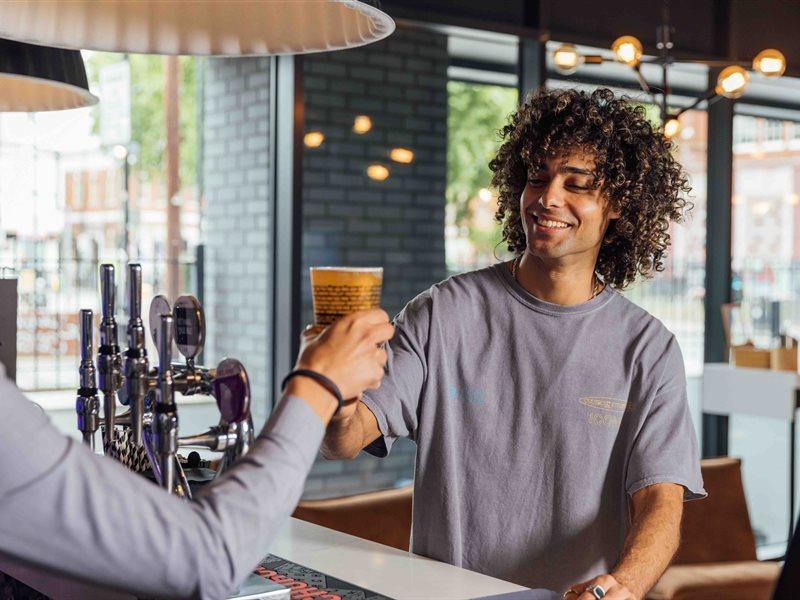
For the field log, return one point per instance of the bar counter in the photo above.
(378, 568)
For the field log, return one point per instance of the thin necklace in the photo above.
(597, 287)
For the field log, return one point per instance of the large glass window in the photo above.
(63, 211)
(766, 281)
(676, 295)
(476, 113)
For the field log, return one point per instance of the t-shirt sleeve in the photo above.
(666, 449)
(81, 516)
(396, 403)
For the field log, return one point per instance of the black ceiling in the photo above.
(724, 29)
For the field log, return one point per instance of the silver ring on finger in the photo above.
(597, 591)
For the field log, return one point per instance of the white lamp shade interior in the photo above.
(196, 27)
(30, 94)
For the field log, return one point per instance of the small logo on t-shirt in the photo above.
(605, 411)
(467, 393)
(610, 404)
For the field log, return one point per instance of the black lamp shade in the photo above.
(38, 78)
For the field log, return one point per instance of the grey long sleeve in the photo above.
(67, 510)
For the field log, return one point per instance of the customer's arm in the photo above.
(374, 420)
(71, 512)
(350, 432)
(651, 543)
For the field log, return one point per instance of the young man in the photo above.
(68, 512)
(554, 441)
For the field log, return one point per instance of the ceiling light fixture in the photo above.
(362, 124)
(377, 172)
(313, 139)
(628, 50)
(402, 155)
(196, 27)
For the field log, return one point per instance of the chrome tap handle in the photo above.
(165, 417)
(108, 324)
(136, 332)
(87, 406)
(87, 365)
(136, 363)
(165, 348)
(109, 361)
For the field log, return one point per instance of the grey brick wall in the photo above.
(349, 219)
(238, 297)
(401, 84)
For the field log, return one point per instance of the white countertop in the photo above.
(380, 568)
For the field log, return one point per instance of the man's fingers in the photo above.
(380, 333)
(612, 588)
(383, 358)
(372, 316)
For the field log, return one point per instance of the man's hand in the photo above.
(614, 589)
(651, 543)
(349, 352)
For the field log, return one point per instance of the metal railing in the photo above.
(51, 292)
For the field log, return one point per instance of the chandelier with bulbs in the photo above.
(628, 50)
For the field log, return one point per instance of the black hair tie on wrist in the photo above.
(320, 379)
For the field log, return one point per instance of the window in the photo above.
(766, 280)
(746, 131)
(676, 295)
(476, 113)
(63, 217)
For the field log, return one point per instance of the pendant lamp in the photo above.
(37, 78)
(196, 27)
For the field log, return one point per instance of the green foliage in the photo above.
(148, 127)
(476, 114)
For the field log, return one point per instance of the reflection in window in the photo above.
(62, 212)
(476, 113)
(676, 295)
(766, 280)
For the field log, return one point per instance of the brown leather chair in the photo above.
(383, 516)
(717, 556)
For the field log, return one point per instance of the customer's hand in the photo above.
(348, 352)
(613, 588)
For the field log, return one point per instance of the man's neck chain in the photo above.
(597, 286)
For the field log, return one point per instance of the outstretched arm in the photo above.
(77, 514)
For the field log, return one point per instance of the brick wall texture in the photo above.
(348, 219)
(238, 286)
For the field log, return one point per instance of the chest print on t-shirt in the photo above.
(604, 412)
(466, 393)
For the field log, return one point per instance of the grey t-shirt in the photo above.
(534, 422)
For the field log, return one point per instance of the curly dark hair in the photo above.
(634, 167)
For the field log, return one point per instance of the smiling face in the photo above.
(564, 212)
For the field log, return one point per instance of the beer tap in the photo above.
(231, 388)
(233, 436)
(109, 361)
(136, 364)
(87, 404)
(165, 411)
